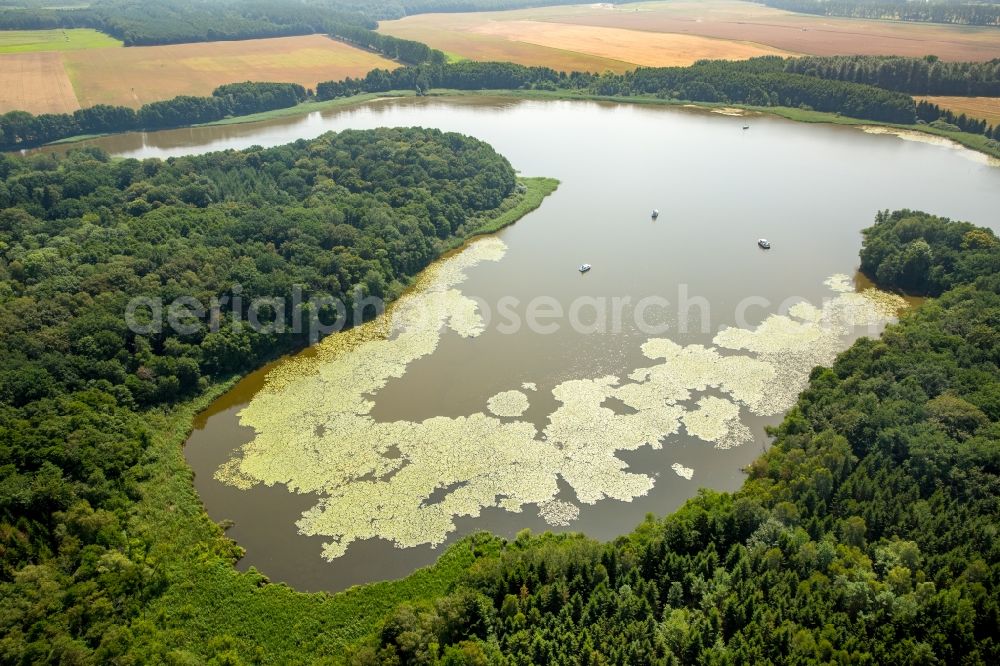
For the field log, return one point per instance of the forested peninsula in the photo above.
(349, 216)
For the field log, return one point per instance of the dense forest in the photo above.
(333, 213)
(866, 534)
(763, 82)
(918, 76)
(936, 11)
(927, 255)
(346, 215)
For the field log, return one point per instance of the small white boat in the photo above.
(746, 127)
(656, 213)
(764, 243)
(584, 268)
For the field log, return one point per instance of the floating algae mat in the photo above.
(408, 482)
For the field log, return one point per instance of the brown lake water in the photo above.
(810, 189)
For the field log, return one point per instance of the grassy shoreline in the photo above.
(310, 107)
(208, 606)
(302, 109)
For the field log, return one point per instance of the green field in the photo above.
(75, 39)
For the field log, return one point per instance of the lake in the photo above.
(734, 331)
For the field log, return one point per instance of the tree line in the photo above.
(866, 534)
(404, 50)
(918, 76)
(19, 129)
(348, 215)
(764, 81)
(960, 13)
(759, 81)
(935, 116)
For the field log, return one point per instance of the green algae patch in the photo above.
(508, 403)
(407, 482)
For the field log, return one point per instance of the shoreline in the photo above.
(974, 142)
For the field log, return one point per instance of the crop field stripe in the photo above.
(639, 47)
(35, 82)
(28, 41)
(735, 22)
(139, 75)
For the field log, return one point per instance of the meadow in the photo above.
(678, 33)
(27, 41)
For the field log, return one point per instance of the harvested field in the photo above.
(984, 108)
(801, 33)
(456, 35)
(54, 81)
(137, 75)
(35, 82)
(733, 30)
(640, 48)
